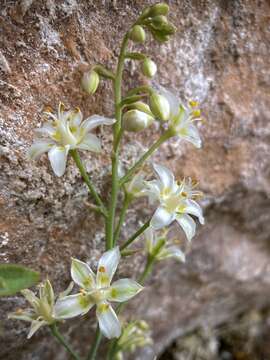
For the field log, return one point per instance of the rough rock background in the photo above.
(220, 56)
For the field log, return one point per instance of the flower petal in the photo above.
(165, 175)
(58, 159)
(82, 274)
(38, 148)
(35, 325)
(172, 251)
(75, 118)
(123, 290)
(193, 136)
(90, 142)
(194, 208)
(46, 129)
(72, 305)
(31, 298)
(149, 235)
(187, 224)
(172, 99)
(46, 292)
(108, 322)
(96, 120)
(161, 218)
(25, 315)
(107, 266)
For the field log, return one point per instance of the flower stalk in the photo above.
(63, 342)
(76, 157)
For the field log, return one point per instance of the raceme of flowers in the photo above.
(65, 131)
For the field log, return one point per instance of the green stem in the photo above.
(63, 342)
(134, 236)
(116, 133)
(93, 351)
(74, 153)
(122, 217)
(147, 270)
(165, 136)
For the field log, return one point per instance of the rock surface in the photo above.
(220, 56)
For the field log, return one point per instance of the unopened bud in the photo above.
(159, 106)
(158, 9)
(137, 34)
(90, 82)
(135, 120)
(141, 106)
(149, 68)
(159, 20)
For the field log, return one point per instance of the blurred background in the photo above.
(216, 306)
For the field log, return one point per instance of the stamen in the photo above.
(102, 269)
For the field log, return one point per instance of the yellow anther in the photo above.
(82, 291)
(48, 109)
(61, 107)
(102, 269)
(184, 194)
(193, 103)
(196, 113)
(19, 311)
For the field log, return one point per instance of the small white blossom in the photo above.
(65, 131)
(158, 247)
(176, 202)
(98, 290)
(182, 118)
(42, 311)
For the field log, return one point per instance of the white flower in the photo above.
(175, 204)
(66, 131)
(157, 247)
(182, 118)
(98, 290)
(42, 311)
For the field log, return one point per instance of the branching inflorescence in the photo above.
(64, 133)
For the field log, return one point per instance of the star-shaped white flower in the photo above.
(175, 204)
(182, 118)
(65, 131)
(42, 311)
(98, 290)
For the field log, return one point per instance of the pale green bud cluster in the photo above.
(154, 18)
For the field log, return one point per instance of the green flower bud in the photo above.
(158, 9)
(149, 68)
(159, 106)
(135, 120)
(159, 21)
(141, 106)
(90, 81)
(137, 34)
